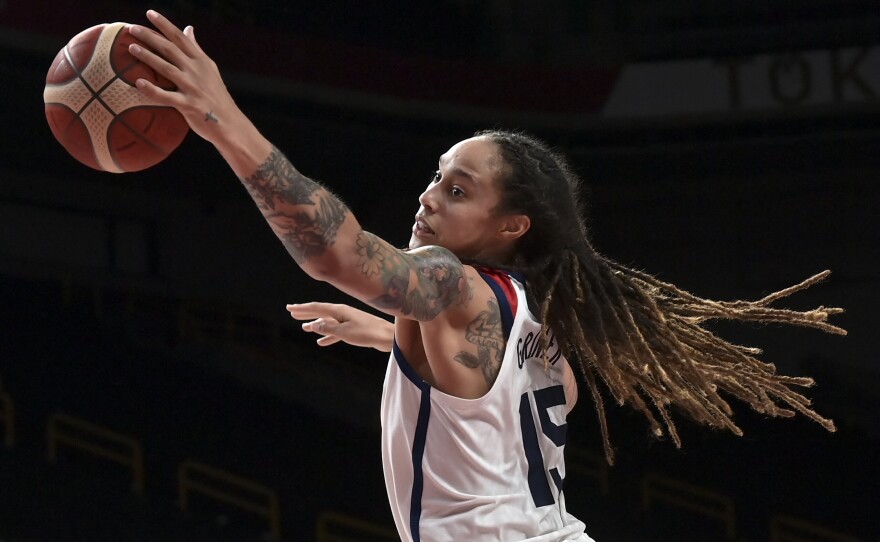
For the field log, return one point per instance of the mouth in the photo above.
(421, 229)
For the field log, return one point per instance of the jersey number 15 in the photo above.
(545, 399)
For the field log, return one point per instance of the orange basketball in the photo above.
(95, 111)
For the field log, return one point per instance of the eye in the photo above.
(457, 192)
(435, 178)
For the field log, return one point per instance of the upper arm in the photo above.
(421, 284)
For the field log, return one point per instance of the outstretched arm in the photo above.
(318, 230)
(336, 322)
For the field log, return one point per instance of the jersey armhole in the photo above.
(505, 293)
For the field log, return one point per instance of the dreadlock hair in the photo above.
(639, 336)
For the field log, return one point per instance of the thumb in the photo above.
(328, 340)
(190, 33)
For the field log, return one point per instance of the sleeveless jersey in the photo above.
(487, 469)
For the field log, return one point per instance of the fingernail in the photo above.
(135, 48)
(140, 83)
(152, 14)
(134, 29)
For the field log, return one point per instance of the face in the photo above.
(457, 208)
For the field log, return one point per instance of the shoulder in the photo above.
(477, 289)
(481, 295)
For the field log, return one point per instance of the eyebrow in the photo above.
(460, 173)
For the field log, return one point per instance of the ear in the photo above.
(513, 227)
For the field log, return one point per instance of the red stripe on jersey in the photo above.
(502, 279)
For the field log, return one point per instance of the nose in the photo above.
(428, 198)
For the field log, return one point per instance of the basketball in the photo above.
(95, 111)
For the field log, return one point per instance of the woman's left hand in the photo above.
(336, 322)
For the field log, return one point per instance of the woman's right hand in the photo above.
(336, 322)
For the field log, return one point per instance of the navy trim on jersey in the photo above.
(419, 439)
(503, 304)
(418, 452)
(404, 366)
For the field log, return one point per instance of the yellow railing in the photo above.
(338, 527)
(63, 429)
(7, 416)
(657, 488)
(789, 529)
(194, 477)
(587, 465)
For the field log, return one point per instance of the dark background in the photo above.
(152, 303)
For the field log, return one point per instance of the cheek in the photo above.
(468, 226)
(477, 228)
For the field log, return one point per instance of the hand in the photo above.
(200, 96)
(336, 322)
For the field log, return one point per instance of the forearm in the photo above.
(375, 333)
(383, 336)
(240, 143)
(304, 215)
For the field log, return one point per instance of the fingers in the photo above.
(159, 53)
(189, 32)
(306, 311)
(324, 326)
(170, 31)
(162, 67)
(168, 52)
(163, 63)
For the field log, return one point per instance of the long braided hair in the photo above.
(638, 335)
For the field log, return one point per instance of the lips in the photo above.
(421, 228)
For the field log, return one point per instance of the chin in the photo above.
(415, 243)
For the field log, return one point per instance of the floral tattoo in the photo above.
(303, 214)
(420, 284)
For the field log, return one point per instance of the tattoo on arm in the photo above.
(486, 333)
(304, 215)
(419, 284)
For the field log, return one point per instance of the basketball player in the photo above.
(498, 289)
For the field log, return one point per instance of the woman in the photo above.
(498, 288)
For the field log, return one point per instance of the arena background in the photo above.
(153, 388)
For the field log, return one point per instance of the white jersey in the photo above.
(487, 469)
